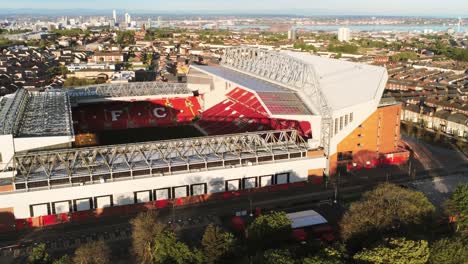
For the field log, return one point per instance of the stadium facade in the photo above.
(261, 119)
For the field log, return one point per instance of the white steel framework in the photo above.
(129, 89)
(287, 71)
(10, 109)
(28, 114)
(108, 163)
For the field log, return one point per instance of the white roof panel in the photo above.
(345, 83)
(242, 79)
(306, 218)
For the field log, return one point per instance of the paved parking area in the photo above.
(438, 190)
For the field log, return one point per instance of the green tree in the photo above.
(449, 251)
(216, 244)
(63, 260)
(57, 70)
(344, 48)
(167, 250)
(96, 252)
(125, 37)
(396, 251)
(277, 256)
(304, 47)
(39, 255)
(144, 230)
(404, 56)
(327, 256)
(269, 229)
(386, 208)
(457, 206)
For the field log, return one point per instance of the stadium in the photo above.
(260, 119)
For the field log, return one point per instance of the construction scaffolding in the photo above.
(128, 90)
(149, 159)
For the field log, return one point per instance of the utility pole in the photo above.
(337, 182)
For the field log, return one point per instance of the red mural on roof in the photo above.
(137, 114)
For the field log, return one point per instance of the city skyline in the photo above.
(292, 7)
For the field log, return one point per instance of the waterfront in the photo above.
(401, 28)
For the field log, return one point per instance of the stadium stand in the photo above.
(162, 112)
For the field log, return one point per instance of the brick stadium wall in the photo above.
(379, 134)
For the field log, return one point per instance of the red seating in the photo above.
(243, 112)
(137, 114)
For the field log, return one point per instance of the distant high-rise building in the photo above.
(344, 34)
(459, 24)
(114, 16)
(159, 21)
(128, 18)
(292, 34)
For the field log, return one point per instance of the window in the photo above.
(198, 189)
(341, 123)
(142, 196)
(282, 178)
(61, 207)
(336, 126)
(360, 144)
(346, 120)
(162, 194)
(348, 155)
(104, 201)
(39, 209)
(233, 185)
(250, 183)
(83, 204)
(180, 191)
(266, 180)
(351, 117)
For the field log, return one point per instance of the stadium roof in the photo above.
(11, 108)
(345, 83)
(279, 100)
(242, 79)
(159, 157)
(29, 114)
(129, 89)
(46, 114)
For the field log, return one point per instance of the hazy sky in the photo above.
(339, 7)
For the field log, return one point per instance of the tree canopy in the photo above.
(457, 206)
(326, 256)
(126, 37)
(168, 250)
(269, 228)
(277, 256)
(216, 244)
(386, 208)
(39, 255)
(144, 230)
(344, 48)
(449, 251)
(96, 252)
(396, 251)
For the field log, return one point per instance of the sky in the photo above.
(300, 7)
